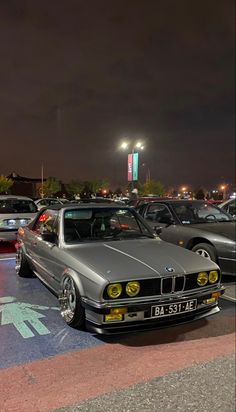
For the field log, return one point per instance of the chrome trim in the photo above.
(173, 284)
(231, 259)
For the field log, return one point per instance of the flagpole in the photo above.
(42, 194)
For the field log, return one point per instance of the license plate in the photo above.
(173, 308)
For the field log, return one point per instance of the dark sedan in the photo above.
(196, 225)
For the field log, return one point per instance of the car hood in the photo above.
(132, 259)
(226, 229)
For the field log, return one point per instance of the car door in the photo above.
(160, 215)
(46, 255)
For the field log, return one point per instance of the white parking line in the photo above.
(228, 298)
(8, 258)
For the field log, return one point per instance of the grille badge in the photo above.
(169, 269)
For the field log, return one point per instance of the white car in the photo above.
(49, 201)
(15, 211)
(229, 206)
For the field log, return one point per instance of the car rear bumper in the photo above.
(139, 315)
(8, 235)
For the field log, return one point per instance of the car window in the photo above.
(14, 205)
(47, 221)
(230, 207)
(93, 224)
(158, 213)
(202, 212)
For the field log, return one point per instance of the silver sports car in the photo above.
(111, 273)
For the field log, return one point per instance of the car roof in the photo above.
(86, 206)
(48, 198)
(3, 197)
(177, 201)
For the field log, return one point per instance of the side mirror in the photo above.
(158, 230)
(49, 237)
(167, 220)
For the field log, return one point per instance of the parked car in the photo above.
(139, 201)
(49, 201)
(15, 211)
(111, 273)
(100, 200)
(198, 226)
(229, 206)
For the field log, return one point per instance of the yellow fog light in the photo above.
(118, 311)
(132, 288)
(202, 278)
(209, 301)
(112, 318)
(213, 276)
(114, 290)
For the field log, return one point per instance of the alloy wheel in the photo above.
(68, 299)
(203, 253)
(19, 256)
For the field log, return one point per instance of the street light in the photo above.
(134, 146)
(223, 188)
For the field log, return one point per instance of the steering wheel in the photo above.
(210, 215)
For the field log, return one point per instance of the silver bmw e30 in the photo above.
(112, 273)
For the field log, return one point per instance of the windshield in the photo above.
(82, 225)
(14, 205)
(193, 212)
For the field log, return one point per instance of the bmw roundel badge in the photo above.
(169, 270)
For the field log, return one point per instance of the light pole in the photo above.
(135, 147)
(147, 173)
(223, 188)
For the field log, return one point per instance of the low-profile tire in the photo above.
(72, 310)
(22, 267)
(205, 250)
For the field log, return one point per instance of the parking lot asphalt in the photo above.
(45, 365)
(205, 387)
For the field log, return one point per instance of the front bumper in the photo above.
(139, 313)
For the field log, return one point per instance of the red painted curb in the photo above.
(73, 377)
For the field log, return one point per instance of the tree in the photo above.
(51, 186)
(200, 193)
(74, 187)
(152, 187)
(99, 185)
(5, 184)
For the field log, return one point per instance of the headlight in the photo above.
(213, 276)
(202, 278)
(114, 290)
(132, 288)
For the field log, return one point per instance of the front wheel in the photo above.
(22, 266)
(205, 250)
(72, 310)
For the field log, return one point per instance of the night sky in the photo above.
(78, 76)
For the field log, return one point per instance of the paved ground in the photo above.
(187, 391)
(46, 365)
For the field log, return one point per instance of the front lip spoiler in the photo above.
(150, 324)
(135, 306)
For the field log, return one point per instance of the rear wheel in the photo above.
(206, 251)
(72, 310)
(22, 266)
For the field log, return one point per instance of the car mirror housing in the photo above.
(158, 230)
